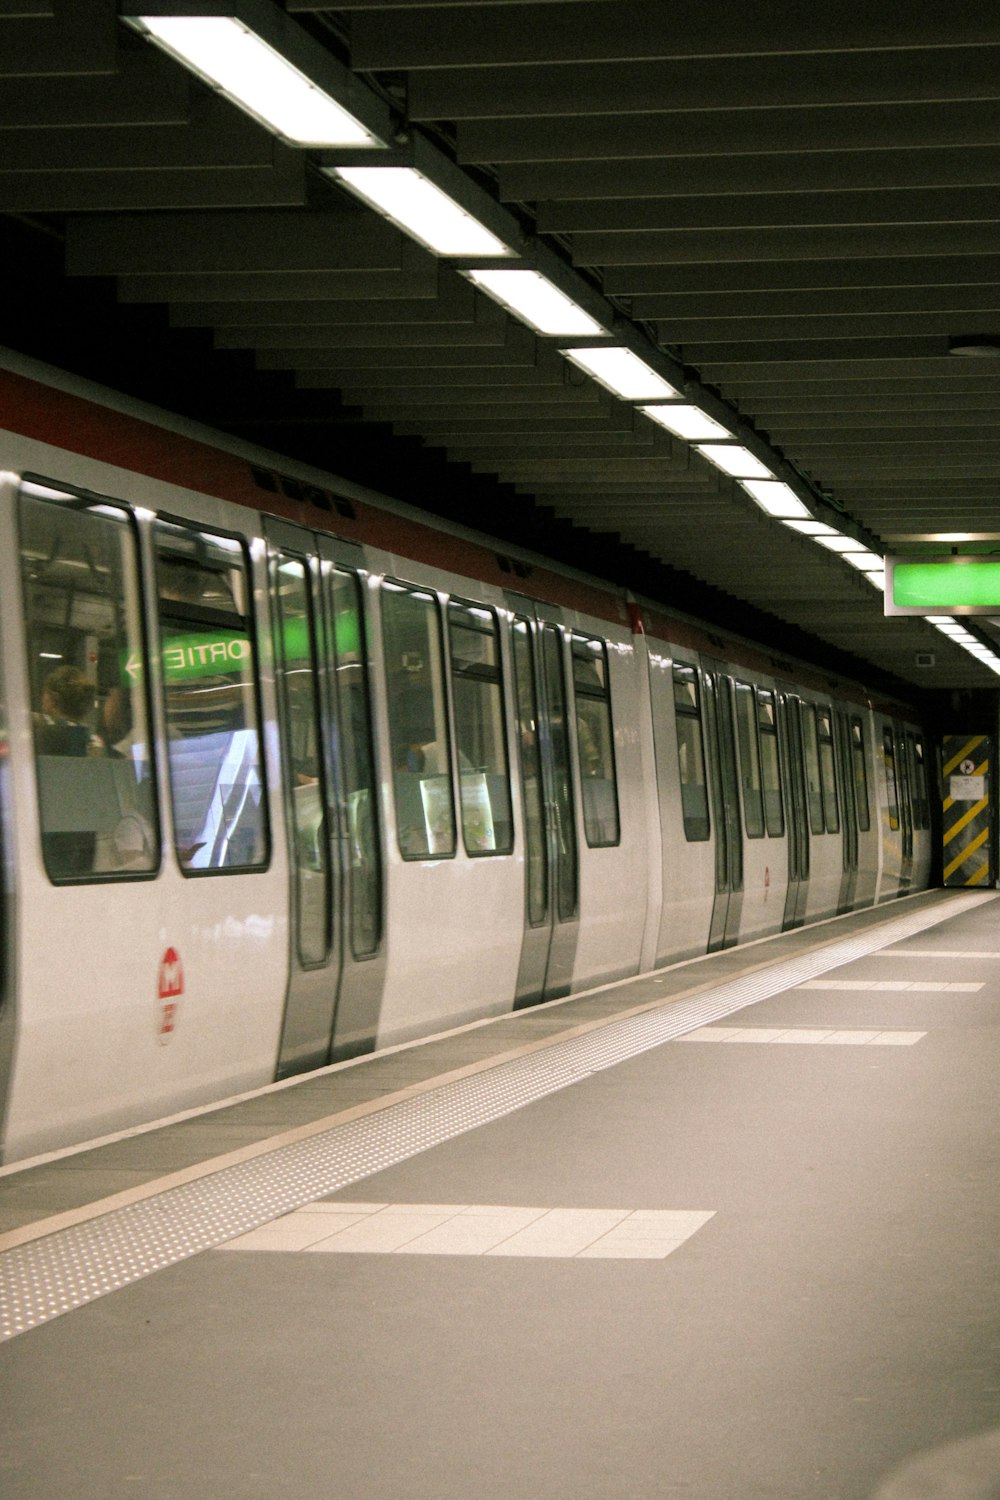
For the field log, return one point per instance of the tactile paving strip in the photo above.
(65, 1270)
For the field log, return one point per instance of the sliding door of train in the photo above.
(790, 747)
(723, 779)
(905, 781)
(330, 791)
(551, 856)
(847, 787)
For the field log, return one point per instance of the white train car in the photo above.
(289, 773)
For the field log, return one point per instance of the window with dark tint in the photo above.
(532, 792)
(210, 701)
(691, 753)
(595, 742)
(918, 782)
(564, 827)
(770, 765)
(750, 770)
(810, 756)
(827, 770)
(88, 681)
(418, 722)
(859, 757)
(298, 682)
(480, 735)
(889, 755)
(357, 763)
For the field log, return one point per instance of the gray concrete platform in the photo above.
(836, 1313)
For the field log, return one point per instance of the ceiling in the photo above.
(800, 203)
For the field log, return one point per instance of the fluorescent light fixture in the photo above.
(876, 577)
(734, 460)
(688, 422)
(235, 60)
(622, 372)
(778, 500)
(811, 528)
(864, 560)
(420, 208)
(838, 543)
(531, 296)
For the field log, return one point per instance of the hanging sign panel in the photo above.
(942, 584)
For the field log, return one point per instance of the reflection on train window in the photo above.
(296, 660)
(418, 722)
(770, 766)
(531, 774)
(750, 775)
(918, 782)
(210, 699)
(87, 674)
(595, 742)
(691, 754)
(892, 795)
(483, 772)
(827, 770)
(858, 755)
(357, 764)
(810, 758)
(563, 813)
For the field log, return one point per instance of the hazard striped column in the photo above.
(967, 813)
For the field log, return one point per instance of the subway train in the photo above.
(290, 772)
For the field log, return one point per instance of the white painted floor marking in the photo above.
(803, 1035)
(477, 1229)
(894, 952)
(912, 986)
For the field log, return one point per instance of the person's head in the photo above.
(68, 693)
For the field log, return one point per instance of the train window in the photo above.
(531, 773)
(418, 721)
(750, 772)
(918, 781)
(357, 764)
(595, 742)
(827, 770)
(296, 658)
(480, 735)
(770, 765)
(892, 795)
(563, 825)
(210, 701)
(858, 755)
(810, 753)
(691, 754)
(88, 682)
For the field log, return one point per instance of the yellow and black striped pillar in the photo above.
(968, 812)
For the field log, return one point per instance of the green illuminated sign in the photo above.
(942, 585)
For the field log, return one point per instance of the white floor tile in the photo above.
(561, 1232)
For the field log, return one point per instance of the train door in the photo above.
(330, 798)
(790, 745)
(905, 809)
(844, 760)
(551, 856)
(724, 787)
(6, 902)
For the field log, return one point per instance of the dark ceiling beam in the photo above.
(889, 404)
(455, 307)
(80, 38)
(381, 338)
(411, 379)
(728, 84)
(414, 363)
(729, 211)
(213, 142)
(431, 36)
(890, 359)
(824, 302)
(775, 172)
(760, 384)
(813, 426)
(279, 287)
(781, 274)
(728, 132)
(22, 8)
(689, 331)
(819, 242)
(199, 244)
(278, 185)
(144, 93)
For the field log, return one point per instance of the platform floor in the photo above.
(728, 1231)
